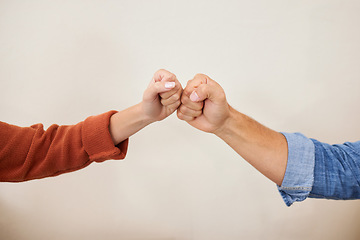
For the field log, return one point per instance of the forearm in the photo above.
(263, 148)
(127, 122)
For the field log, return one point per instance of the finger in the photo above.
(164, 75)
(170, 100)
(177, 88)
(211, 90)
(181, 116)
(189, 112)
(185, 100)
(156, 88)
(172, 107)
(194, 83)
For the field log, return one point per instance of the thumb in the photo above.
(210, 90)
(156, 88)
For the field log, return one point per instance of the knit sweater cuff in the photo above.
(97, 139)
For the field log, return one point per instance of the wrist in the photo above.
(125, 123)
(143, 116)
(231, 125)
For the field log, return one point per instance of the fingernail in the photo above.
(194, 97)
(169, 85)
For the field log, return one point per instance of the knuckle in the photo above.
(173, 98)
(187, 91)
(198, 113)
(184, 100)
(163, 101)
(178, 86)
(200, 75)
(180, 115)
(176, 96)
(170, 100)
(185, 110)
(162, 95)
(176, 105)
(182, 108)
(199, 106)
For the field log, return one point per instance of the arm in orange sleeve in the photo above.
(31, 152)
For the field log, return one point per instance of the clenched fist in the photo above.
(204, 104)
(162, 97)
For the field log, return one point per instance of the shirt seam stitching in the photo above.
(296, 188)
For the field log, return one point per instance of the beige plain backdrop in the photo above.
(292, 65)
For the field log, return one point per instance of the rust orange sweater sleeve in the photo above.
(31, 152)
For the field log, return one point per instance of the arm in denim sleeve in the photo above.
(320, 170)
(337, 171)
(299, 176)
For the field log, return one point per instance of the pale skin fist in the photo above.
(162, 97)
(204, 105)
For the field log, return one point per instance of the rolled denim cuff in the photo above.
(299, 175)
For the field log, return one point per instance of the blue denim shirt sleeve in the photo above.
(320, 170)
(337, 171)
(299, 176)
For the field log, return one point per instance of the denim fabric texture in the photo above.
(299, 175)
(320, 170)
(337, 171)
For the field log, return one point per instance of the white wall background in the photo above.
(292, 65)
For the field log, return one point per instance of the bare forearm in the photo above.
(263, 148)
(127, 122)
